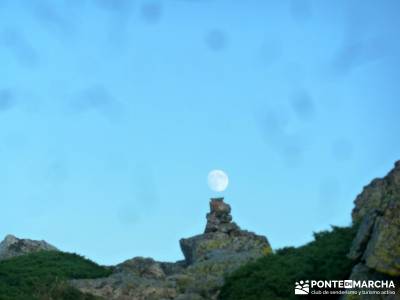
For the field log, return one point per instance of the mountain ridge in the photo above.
(223, 248)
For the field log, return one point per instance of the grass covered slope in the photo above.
(43, 276)
(273, 277)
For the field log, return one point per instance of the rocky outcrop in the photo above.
(223, 238)
(135, 279)
(222, 248)
(378, 194)
(376, 247)
(12, 246)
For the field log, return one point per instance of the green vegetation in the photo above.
(43, 276)
(273, 277)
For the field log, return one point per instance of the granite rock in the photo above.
(12, 246)
(376, 247)
(377, 212)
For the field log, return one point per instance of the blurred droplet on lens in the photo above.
(216, 40)
(51, 16)
(57, 171)
(151, 12)
(300, 10)
(20, 47)
(7, 100)
(303, 105)
(356, 52)
(96, 98)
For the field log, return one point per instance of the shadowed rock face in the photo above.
(221, 249)
(376, 247)
(12, 246)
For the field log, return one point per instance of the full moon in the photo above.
(217, 180)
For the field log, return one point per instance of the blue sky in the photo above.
(112, 113)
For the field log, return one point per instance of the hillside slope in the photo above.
(45, 275)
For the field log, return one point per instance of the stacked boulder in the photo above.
(219, 218)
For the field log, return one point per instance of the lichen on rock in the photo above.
(376, 247)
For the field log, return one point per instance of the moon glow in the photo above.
(217, 180)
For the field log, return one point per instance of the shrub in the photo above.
(43, 276)
(273, 277)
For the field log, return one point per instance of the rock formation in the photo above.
(376, 247)
(12, 246)
(222, 238)
(222, 248)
